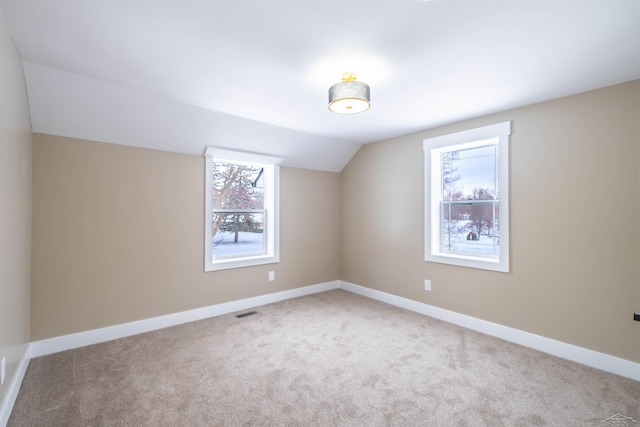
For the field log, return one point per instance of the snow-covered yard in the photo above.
(248, 243)
(485, 245)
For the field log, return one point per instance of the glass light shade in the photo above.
(349, 97)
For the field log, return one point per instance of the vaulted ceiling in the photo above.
(181, 75)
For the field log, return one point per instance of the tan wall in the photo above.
(15, 208)
(119, 235)
(575, 238)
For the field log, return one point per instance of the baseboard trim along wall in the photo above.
(81, 339)
(14, 387)
(594, 359)
(581, 355)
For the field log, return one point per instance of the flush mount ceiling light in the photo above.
(349, 96)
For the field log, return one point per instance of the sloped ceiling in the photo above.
(253, 75)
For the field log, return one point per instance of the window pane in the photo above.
(470, 227)
(470, 173)
(470, 201)
(237, 186)
(238, 234)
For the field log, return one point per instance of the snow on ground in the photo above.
(252, 243)
(483, 246)
(248, 243)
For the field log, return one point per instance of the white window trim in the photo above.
(432, 203)
(272, 206)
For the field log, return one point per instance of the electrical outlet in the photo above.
(272, 276)
(3, 369)
(427, 284)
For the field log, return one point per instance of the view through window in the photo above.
(470, 200)
(238, 210)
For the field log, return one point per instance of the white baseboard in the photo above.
(81, 339)
(581, 355)
(594, 359)
(14, 387)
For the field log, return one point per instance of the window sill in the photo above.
(225, 264)
(468, 261)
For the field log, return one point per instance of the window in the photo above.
(241, 209)
(467, 198)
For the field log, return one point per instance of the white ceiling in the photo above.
(180, 75)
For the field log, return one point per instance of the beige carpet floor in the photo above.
(330, 359)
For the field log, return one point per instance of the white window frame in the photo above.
(271, 176)
(433, 194)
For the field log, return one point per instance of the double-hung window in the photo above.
(241, 209)
(467, 198)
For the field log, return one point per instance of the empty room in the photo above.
(319, 213)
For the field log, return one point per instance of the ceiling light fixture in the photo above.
(349, 96)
